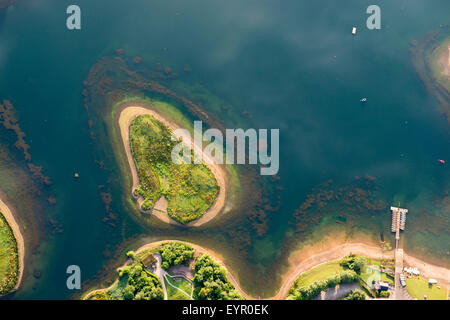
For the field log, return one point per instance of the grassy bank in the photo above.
(9, 258)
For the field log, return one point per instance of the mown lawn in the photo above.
(181, 283)
(9, 259)
(418, 287)
(174, 294)
(319, 273)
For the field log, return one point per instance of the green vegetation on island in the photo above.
(210, 281)
(135, 283)
(175, 253)
(190, 189)
(9, 257)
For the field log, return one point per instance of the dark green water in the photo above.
(293, 66)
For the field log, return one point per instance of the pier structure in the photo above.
(398, 223)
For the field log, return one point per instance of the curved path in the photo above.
(4, 209)
(125, 118)
(181, 290)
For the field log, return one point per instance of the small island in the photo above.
(431, 60)
(440, 64)
(183, 194)
(169, 270)
(11, 251)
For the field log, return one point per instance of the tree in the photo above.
(355, 295)
(210, 281)
(353, 262)
(131, 254)
(128, 292)
(175, 253)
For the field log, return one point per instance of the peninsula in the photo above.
(170, 270)
(12, 251)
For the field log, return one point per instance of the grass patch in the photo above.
(181, 283)
(98, 295)
(174, 294)
(320, 272)
(9, 257)
(418, 287)
(190, 189)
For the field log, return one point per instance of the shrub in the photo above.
(354, 263)
(355, 295)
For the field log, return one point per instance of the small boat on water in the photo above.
(363, 100)
(441, 161)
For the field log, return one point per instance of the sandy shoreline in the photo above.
(4, 209)
(125, 118)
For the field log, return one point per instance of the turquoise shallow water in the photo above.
(293, 66)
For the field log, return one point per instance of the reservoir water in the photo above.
(292, 65)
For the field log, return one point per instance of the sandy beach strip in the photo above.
(4, 209)
(125, 118)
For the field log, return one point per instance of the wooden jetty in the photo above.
(398, 220)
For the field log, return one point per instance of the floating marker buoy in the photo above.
(441, 161)
(76, 175)
(354, 30)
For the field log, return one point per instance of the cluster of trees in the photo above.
(140, 284)
(175, 253)
(210, 281)
(353, 262)
(355, 295)
(309, 292)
